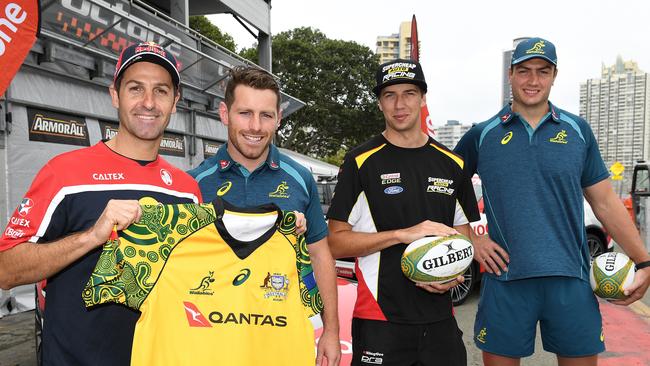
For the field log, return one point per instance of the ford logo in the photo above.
(393, 190)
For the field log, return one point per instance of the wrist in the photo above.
(88, 239)
(642, 265)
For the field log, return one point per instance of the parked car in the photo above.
(326, 185)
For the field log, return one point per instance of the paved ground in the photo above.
(17, 347)
(627, 332)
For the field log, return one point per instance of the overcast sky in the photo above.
(462, 42)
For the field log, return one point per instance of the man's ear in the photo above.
(115, 98)
(177, 97)
(223, 113)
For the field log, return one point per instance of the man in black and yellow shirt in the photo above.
(398, 187)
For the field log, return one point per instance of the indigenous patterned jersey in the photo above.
(216, 285)
(385, 187)
(67, 196)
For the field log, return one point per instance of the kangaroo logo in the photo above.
(481, 335)
(280, 191)
(538, 48)
(204, 287)
(560, 138)
(266, 281)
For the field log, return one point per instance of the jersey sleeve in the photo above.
(35, 213)
(130, 265)
(316, 225)
(467, 148)
(309, 293)
(466, 198)
(594, 169)
(347, 191)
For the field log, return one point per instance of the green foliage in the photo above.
(202, 25)
(250, 53)
(336, 159)
(335, 79)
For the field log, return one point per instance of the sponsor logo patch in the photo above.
(393, 190)
(560, 138)
(372, 358)
(506, 138)
(481, 336)
(224, 188)
(280, 191)
(108, 176)
(194, 316)
(390, 178)
(440, 185)
(241, 277)
(276, 286)
(204, 287)
(25, 206)
(166, 177)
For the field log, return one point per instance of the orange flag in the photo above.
(425, 120)
(20, 28)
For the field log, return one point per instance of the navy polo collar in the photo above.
(225, 161)
(506, 114)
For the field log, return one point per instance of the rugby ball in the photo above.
(437, 259)
(610, 274)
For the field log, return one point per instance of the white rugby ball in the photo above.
(610, 274)
(437, 259)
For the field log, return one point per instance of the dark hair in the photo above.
(253, 77)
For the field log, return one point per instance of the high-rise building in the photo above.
(450, 133)
(617, 106)
(506, 90)
(396, 45)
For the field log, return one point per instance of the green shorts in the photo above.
(565, 308)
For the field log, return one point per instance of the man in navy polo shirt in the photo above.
(536, 162)
(249, 171)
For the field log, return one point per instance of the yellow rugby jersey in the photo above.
(215, 285)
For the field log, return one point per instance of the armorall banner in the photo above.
(19, 26)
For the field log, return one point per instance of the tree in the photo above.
(203, 25)
(335, 79)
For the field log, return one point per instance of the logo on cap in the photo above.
(538, 48)
(398, 70)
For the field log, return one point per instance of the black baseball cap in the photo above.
(149, 52)
(400, 71)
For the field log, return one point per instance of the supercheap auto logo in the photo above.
(398, 70)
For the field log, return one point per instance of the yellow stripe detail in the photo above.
(362, 158)
(250, 214)
(453, 157)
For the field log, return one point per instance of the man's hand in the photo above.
(490, 254)
(441, 288)
(329, 348)
(301, 223)
(638, 287)
(425, 228)
(118, 213)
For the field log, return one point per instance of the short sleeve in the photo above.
(347, 190)
(594, 169)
